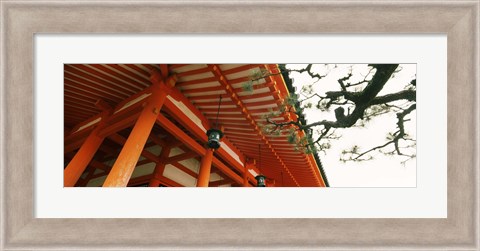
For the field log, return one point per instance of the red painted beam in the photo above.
(133, 147)
(193, 145)
(180, 157)
(185, 169)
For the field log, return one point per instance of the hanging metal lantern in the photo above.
(260, 180)
(214, 136)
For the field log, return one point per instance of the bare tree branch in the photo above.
(364, 102)
(307, 69)
(398, 135)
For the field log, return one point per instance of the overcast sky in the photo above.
(382, 171)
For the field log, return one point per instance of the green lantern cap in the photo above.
(214, 136)
(260, 180)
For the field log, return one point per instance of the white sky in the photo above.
(382, 171)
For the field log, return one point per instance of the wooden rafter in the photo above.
(228, 86)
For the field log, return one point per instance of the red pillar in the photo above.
(160, 167)
(205, 168)
(245, 177)
(248, 165)
(127, 159)
(80, 161)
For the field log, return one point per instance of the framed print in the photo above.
(389, 200)
(24, 23)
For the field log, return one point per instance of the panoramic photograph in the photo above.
(240, 125)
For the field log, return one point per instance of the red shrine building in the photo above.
(147, 124)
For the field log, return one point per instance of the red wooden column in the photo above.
(80, 161)
(205, 168)
(248, 165)
(160, 167)
(245, 177)
(77, 166)
(127, 159)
